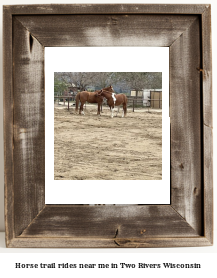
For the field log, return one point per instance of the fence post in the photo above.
(68, 103)
(133, 105)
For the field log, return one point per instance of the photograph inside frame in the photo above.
(107, 125)
(117, 137)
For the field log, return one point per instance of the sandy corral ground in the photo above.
(91, 147)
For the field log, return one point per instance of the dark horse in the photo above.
(115, 100)
(91, 97)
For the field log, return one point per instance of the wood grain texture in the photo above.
(29, 139)
(107, 30)
(185, 113)
(186, 30)
(207, 67)
(69, 242)
(109, 222)
(8, 125)
(207, 122)
(106, 9)
(208, 182)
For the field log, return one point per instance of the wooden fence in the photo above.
(134, 101)
(138, 102)
(131, 101)
(64, 97)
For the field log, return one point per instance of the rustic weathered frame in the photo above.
(188, 220)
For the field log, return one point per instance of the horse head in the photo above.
(111, 89)
(108, 89)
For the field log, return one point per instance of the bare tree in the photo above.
(103, 79)
(132, 80)
(140, 80)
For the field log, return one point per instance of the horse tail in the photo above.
(77, 101)
(125, 105)
(126, 99)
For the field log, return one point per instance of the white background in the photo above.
(204, 255)
(139, 59)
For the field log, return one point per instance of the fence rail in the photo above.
(132, 101)
(68, 97)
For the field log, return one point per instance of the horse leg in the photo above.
(77, 99)
(81, 109)
(112, 111)
(82, 112)
(118, 111)
(99, 106)
(124, 110)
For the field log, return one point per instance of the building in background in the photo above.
(152, 98)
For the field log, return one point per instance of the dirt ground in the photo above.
(91, 147)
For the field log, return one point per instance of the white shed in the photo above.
(147, 96)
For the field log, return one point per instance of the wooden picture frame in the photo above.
(186, 30)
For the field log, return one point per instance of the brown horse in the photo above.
(115, 100)
(91, 97)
